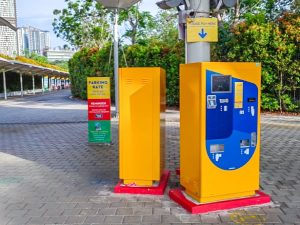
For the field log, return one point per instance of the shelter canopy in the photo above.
(24, 68)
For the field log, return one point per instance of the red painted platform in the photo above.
(178, 196)
(155, 190)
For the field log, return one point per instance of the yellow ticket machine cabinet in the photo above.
(142, 128)
(220, 130)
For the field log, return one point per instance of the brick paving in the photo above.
(49, 108)
(49, 174)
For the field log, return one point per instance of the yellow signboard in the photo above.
(202, 30)
(98, 87)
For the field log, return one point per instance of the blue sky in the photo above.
(38, 13)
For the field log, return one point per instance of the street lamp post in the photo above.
(116, 5)
(198, 51)
(116, 60)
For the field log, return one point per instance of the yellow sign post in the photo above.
(99, 112)
(202, 30)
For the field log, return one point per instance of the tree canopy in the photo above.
(82, 23)
(265, 31)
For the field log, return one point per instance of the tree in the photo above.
(289, 24)
(82, 23)
(87, 23)
(234, 15)
(275, 44)
(166, 27)
(138, 24)
(66, 47)
(258, 11)
(38, 58)
(61, 63)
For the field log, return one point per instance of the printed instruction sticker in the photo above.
(238, 95)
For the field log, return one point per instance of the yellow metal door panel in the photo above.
(159, 156)
(140, 124)
(189, 128)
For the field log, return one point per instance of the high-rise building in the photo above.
(23, 40)
(33, 40)
(59, 54)
(8, 37)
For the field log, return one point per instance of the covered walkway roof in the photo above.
(24, 68)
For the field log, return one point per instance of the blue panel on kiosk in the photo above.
(231, 133)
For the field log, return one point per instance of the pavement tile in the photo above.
(161, 211)
(118, 204)
(213, 218)
(271, 218)
(153, 204)
(291, 218)
(18, 220)
(124, 211)
(94, 219)
(113, 219)
(178, 211)
(17, 212)
(84, 205)
(57, 219)
(108, 211)
(135, 204)
(53, 176)
(75, 219)
(271, 211)
(190, 218)
(132, 220)
(89, 212)
(69, 212)
(54, 212)
(153, 219)
(36, 212)
(142, 211)
(38, 220)
(170, 219)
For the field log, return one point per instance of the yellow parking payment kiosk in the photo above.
(142, 129)
(220, 130)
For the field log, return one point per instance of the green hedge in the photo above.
(95, 62)
(274, 44)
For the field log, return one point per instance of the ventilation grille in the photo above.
(142, 81)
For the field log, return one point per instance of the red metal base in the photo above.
(157, 190)
(177, 196)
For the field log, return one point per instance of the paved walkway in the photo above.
(50, 175)
(49, 108)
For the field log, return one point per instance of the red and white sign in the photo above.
(99, 109)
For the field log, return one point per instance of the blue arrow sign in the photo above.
(203, 34)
